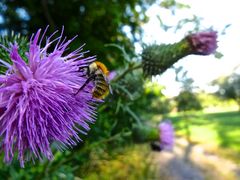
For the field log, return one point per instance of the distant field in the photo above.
(217, 131)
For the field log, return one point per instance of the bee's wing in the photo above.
(110, 88)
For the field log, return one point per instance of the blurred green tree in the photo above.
(187, 99)
(229, 87)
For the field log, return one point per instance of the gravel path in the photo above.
(192, 162)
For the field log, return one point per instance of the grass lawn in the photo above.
(218, 131)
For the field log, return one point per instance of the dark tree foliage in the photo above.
(187, 101)
(96, 22)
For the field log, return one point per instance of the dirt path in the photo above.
(192, 162)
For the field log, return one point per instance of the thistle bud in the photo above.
(156, 59)
(166, 133)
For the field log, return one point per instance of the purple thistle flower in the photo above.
(166, 132)
(203, 43)
(40, 102)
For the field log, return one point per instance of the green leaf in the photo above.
(122, 49)
(218, 55)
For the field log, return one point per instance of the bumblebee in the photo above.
(97, 72)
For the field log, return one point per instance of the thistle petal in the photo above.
(203, 43)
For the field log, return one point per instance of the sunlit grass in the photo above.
(229, 108)
(218, 131)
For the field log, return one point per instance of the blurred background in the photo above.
(201, 95)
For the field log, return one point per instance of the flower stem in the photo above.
(128, 70)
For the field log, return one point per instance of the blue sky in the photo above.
(203, 69)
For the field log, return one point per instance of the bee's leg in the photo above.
(92, 77)
(84, 71)
(83, 75)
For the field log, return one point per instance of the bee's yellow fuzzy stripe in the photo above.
(102, 67)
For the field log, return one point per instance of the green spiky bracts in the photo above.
(158, 58)
(145, 133)
(6, 42)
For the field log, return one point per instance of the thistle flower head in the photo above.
(203, 43)
(38, 99)
(166, 132)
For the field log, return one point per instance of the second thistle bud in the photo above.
(166, 134)
(145, 133)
